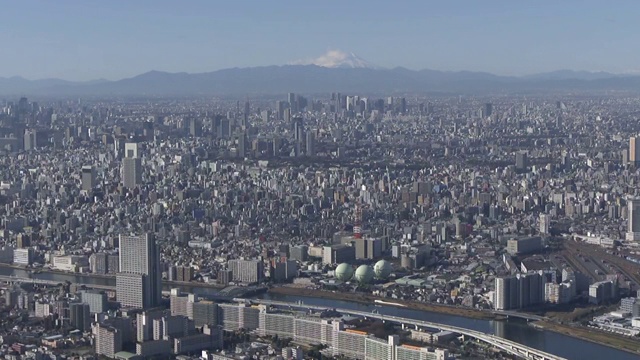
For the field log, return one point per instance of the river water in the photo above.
(513, 329)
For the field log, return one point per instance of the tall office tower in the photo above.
(244, 122)
(224, 130)
(131, 172)
(277, 144)
(634, 151)
(633, 218)
(195, 127)
(264, 115)
(297, 127)
(487, 110)
(287, 115)
(293, 106)
(131, 166)
(521, 160)
(242, 145)
(280, 110)
(88, 178)
(30, 139)
(311, 144)
(402, 106)
(138, 284)
(350, 102)
(80, 317)
(545, 224)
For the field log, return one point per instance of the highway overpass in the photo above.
(508, 346)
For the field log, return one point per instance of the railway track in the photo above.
(628, 269)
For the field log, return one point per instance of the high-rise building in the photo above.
(264, 115)
(88, 178)
(297, 127)
(519, 291)
(487, 110)
(521, 160)
(195, 127)
(311, 144)
(113, 264)
(247, 271)
(145, 325)
(293, 106)
(79, 316)
(602, 291)
(131, 166)
(108, 340)
(634, 151)
(545, 224)
(280, 106)
(402, 106)
(180, 273)
(97, 300)
(30, 139)
(204, 313)
(283, 270)
(23, 241)
(138, 284)
(299, 253)
(633, 219)
(245, 115)
(98, 263)
(242, 145)
(224, 129)
(131, 172)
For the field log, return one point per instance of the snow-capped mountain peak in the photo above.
(338, 59)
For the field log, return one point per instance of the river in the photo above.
(513, 329)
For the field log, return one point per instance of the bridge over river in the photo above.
(23, 280)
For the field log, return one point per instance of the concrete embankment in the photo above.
(369, 300)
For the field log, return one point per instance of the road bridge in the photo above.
(508, 346)
(527, 316)
(16, 280)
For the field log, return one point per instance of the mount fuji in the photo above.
(337, 59)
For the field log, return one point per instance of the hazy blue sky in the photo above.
(81, 39)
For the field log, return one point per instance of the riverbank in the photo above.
(33, 272)
(370, 299)
(619, 342)
(46, 270)
(629, 345)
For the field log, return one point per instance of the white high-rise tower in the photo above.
(633, 218)
(139, 282)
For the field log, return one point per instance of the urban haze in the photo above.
(364, 180)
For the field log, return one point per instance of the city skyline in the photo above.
(81, 41)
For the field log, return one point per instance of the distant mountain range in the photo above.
(352, 75)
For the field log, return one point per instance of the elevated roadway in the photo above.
(508, 346)
(17, 280)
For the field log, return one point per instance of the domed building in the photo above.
(382, 269)
(364, 274)
(344, 272)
